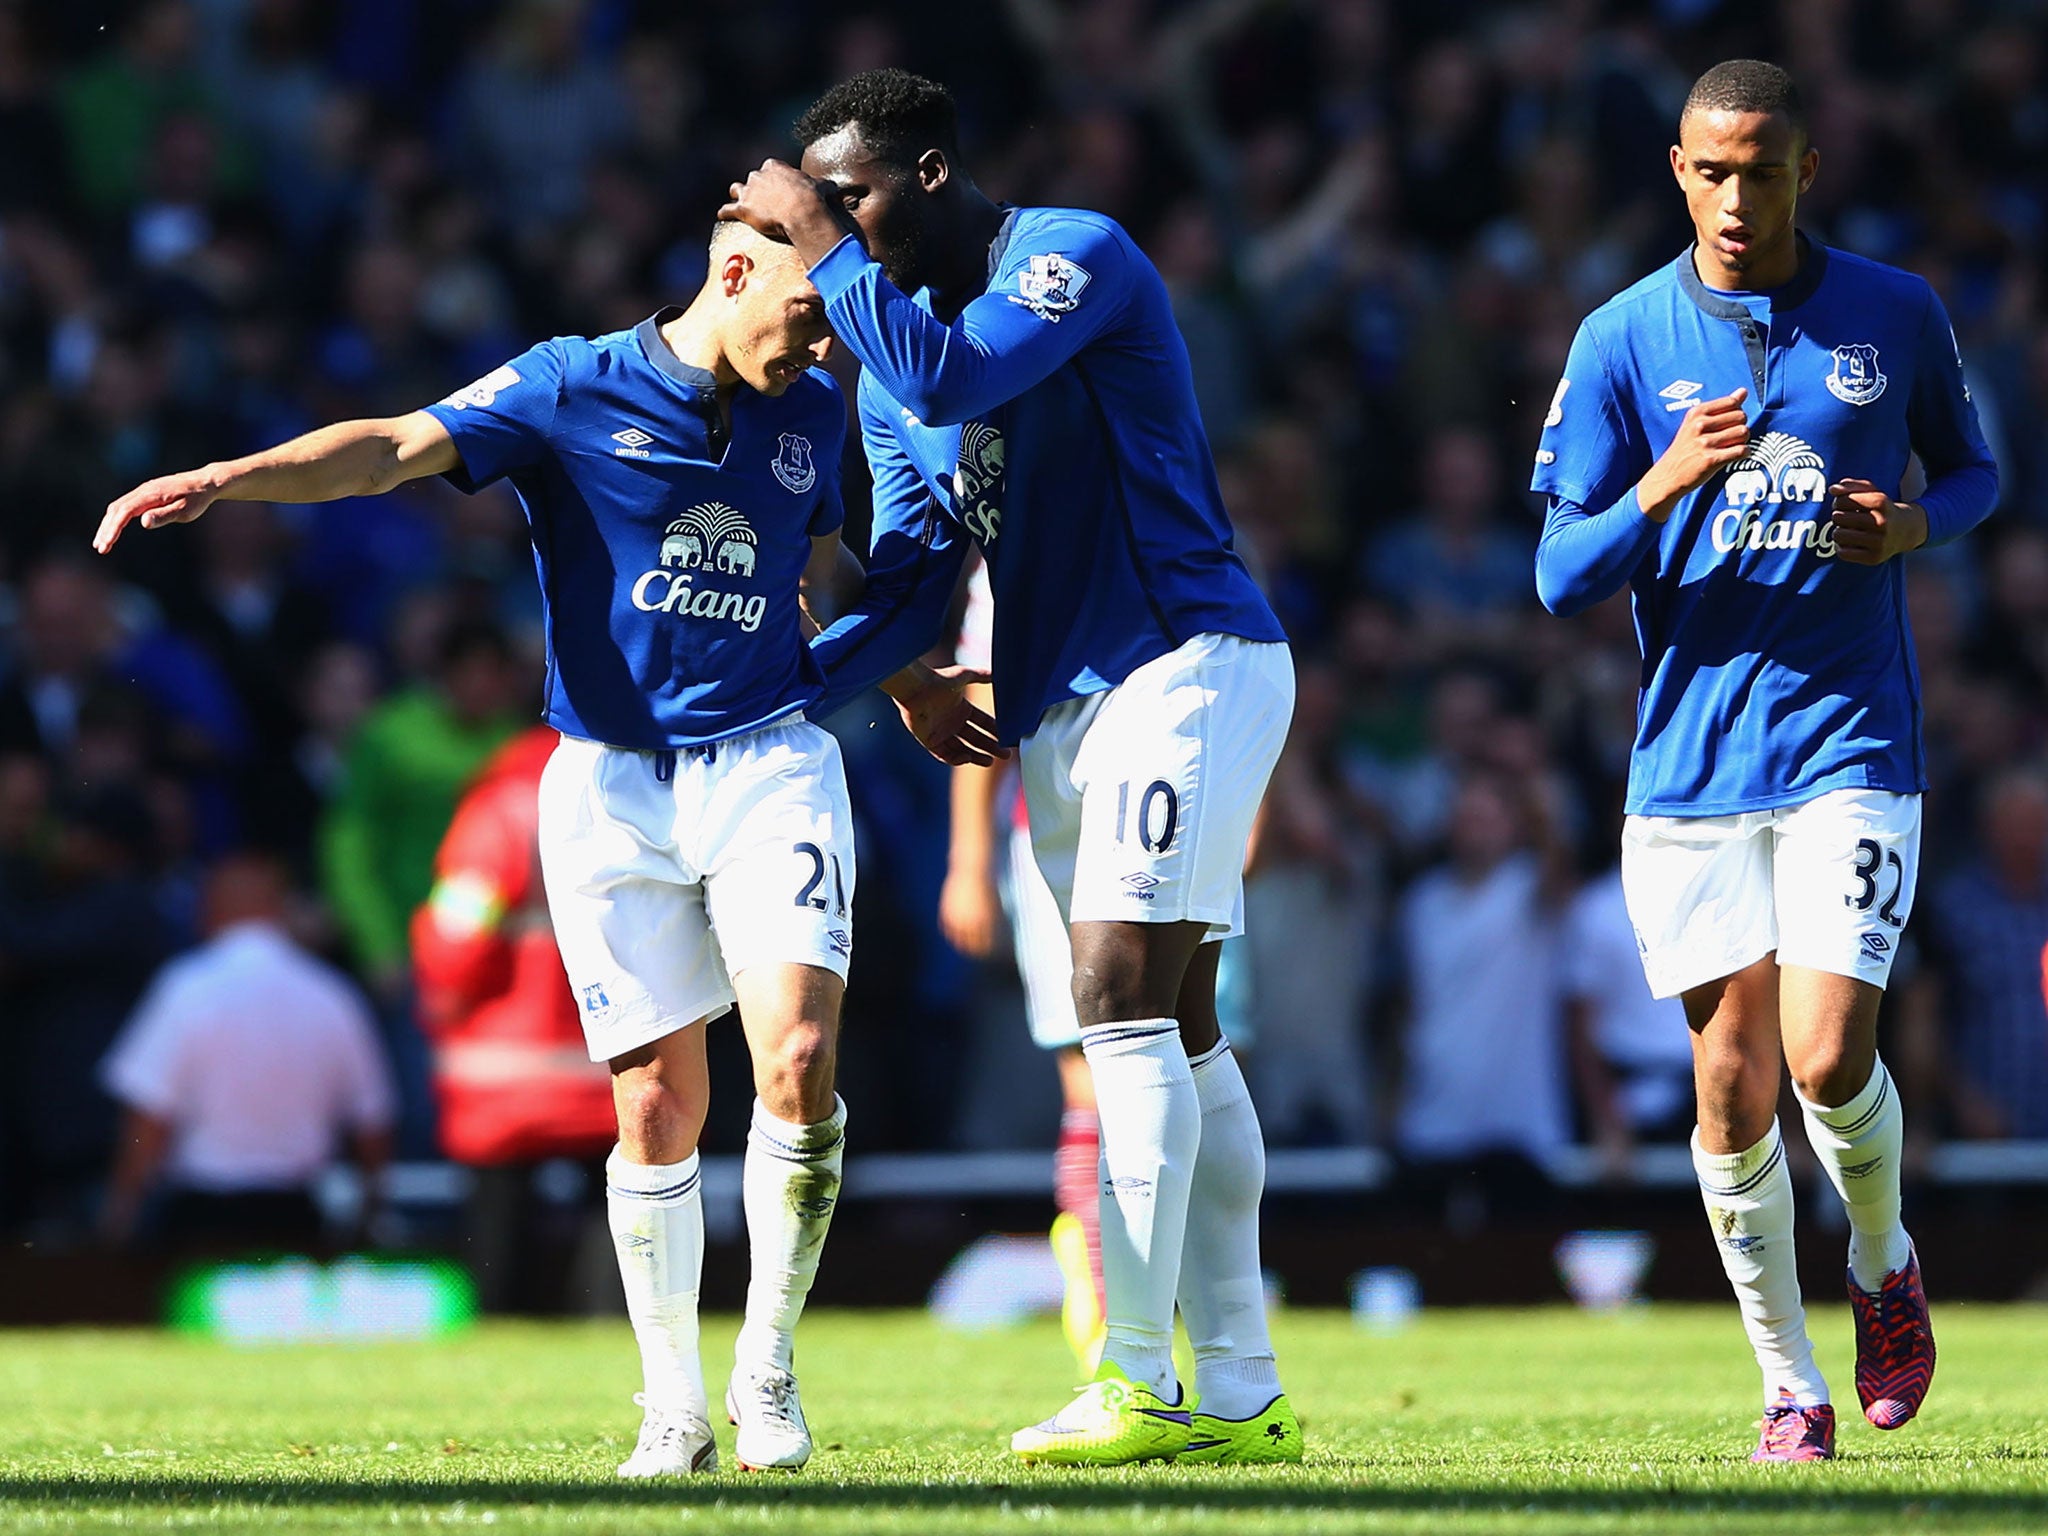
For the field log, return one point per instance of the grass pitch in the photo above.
(1544, 1422)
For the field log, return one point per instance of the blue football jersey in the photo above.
(1772, 671)
(669, 558)
(1053, 422)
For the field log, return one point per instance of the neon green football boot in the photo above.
(1272, 1434)
(1111, 1422)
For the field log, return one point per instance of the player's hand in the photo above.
(950, 726)
(157, 503)
(1870, 527)
(1711, 436)
(970, 912)
(784, 204)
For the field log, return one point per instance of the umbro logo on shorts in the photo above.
(1875, 947)
(1141, 885)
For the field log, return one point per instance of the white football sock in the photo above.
(1151, 1128)
(657, 1219)
(789, 1185)
(1859, 1145)
(1748, 1197)
(1222, 1291)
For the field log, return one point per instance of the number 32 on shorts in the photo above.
(1876, 870)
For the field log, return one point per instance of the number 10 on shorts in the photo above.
(1158, 816)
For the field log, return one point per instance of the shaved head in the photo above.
(730, 235)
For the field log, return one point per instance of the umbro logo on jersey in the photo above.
(1680, 393)
(632, 444)
(714, 539)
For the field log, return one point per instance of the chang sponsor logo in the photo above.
(708, 539)
(1779, 470)
(978, 481)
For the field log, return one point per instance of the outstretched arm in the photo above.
(351, 458)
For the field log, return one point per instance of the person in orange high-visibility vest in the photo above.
(515, 1083)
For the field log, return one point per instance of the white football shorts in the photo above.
(1141, 799)
(664, 889)
(1828, 884)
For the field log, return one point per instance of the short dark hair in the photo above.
(1747, 85)
(901, 115)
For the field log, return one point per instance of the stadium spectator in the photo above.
(1314, 903)
(1631, 1054)
(1482, 1078)
(408, 763)
(82, 929)
(245, 1067)
(1984, 929)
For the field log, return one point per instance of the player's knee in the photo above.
(1109, 987)
(794, 1082)
(656, 1123)
(1829, 1073)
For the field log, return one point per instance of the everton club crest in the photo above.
(793, 466)
(1857, 378)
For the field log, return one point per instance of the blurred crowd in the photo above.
(226, 221)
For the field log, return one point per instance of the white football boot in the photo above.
(673, 1443)
(773, 1437)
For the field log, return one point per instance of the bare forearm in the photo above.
(971, 849)
(350, 458)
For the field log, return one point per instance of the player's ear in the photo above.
(1678, 164)
(932, 170)
(733, 273)
(1809, 167)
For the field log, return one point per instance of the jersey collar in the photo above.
(663, 356)
(1813, 266)
(999, 247)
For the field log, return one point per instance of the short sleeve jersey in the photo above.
(669, 555)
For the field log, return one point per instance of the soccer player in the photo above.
(695, 839)
(1034, 397)
(1730, 441)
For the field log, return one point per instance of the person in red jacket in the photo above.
(515, 1083)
